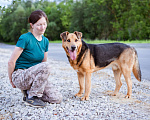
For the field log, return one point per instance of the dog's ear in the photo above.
(78, 34)
(64, 35)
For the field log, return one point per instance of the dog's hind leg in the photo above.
(127, 76)
(117, 76)
(81, 84)
(126, 62)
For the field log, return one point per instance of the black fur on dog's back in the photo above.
(103, 54)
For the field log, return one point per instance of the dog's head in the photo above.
(72, 43)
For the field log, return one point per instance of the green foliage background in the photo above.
(96, 19)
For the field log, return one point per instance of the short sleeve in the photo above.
(47, 45)
(22, 41)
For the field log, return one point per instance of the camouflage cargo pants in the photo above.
(35, 80)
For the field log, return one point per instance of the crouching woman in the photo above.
(28, 68)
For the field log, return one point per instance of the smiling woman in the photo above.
(38, 23)
(28, 68)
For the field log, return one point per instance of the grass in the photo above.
(9, 43)
(111, 41)
(95, 41)
(56, 41)
(108, 41)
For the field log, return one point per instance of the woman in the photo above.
(27, 67)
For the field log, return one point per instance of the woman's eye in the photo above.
(68, 40)
(76, 40)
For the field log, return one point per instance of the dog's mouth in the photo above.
(72, 52)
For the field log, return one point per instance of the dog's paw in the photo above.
(128, 96)
(113, 94)
(85, 98)
(78, 95)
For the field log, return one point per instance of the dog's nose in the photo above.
(73, 47)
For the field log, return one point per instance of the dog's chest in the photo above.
(76, 68)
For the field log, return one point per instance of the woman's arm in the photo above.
(45, 57)
(12, 61)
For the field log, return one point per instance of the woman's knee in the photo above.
(43, 67)
(46, 66)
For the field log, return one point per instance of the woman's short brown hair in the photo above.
(36, 15)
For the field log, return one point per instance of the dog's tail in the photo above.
(136, 67)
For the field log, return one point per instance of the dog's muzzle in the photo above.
(72, 52)
(73, 47)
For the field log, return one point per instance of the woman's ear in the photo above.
(31, 25)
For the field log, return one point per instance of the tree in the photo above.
(131, 19)
(53, 29)
(96, 19)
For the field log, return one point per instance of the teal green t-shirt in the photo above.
(33, 50)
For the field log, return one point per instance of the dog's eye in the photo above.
(76, 40)
(68, 40)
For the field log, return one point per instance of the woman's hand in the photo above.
(11, 63)
(12, 84)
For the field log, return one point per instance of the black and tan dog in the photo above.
(88, 58)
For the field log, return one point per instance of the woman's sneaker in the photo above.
(34, 101)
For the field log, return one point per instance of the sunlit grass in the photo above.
(56, 41)
(95, 41)
(108, 41)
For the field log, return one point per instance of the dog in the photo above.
(88, 58)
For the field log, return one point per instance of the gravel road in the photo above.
(57, 53)
(101, 105)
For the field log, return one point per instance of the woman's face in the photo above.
(40, 26)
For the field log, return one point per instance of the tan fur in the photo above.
(124, 65)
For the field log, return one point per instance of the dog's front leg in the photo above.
(81, 84)
(87, 86)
